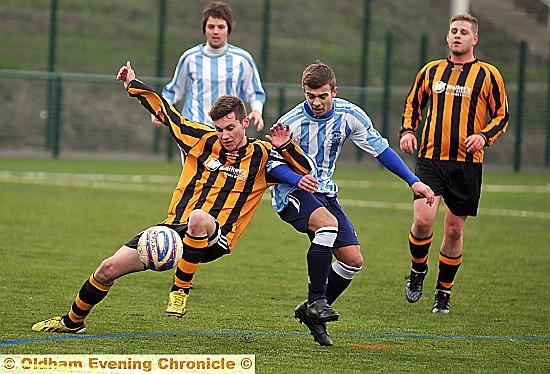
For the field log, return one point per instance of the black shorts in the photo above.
(217, 243)
(458, 182)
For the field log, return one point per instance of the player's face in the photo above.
(231, 131)
(320, 99)
(461, 39)
(216, 32)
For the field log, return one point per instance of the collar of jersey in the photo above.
(309, 112)
(239, 152)
(214, 52)
(463, 63)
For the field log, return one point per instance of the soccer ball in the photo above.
(159, 248)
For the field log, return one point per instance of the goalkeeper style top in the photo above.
(322, 139)
(463, 99)
(203, 74)
(227, 185)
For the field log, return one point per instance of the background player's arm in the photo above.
(395, 164)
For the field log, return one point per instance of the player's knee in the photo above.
(105, 273)
(321, 218)
(355, 261)
(198, 222)
(358, 263)
(350, 255)
(453, 233)
(422, 226)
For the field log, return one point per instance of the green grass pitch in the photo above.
(60, 218)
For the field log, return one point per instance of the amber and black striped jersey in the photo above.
(227, 185)
(464, 99)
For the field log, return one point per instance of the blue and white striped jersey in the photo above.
(322, 139)
(202, 77)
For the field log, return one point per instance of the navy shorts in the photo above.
(458, 182)
(217, 243)
(300, 206)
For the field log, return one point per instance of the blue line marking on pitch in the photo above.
(271, 335)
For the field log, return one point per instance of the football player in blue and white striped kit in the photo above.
(215, 68)
(320, 125)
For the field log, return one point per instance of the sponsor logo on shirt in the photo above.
(451, 89)
(213, 164)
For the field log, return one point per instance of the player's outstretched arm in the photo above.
(395, 164)
(150, 99)
(126, 74)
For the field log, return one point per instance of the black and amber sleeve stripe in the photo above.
(185, 132)
(295, 157)
(417, 99)
(498, 105)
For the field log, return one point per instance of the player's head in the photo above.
(319, 85)
(229, 116)
(462, 35)
(217, 22)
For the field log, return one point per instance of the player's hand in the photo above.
(474, 143)
(422, 189)
(256, 119)
(155, 121)
(308, 183)
(407, 143)
(280, 134)
(126, 74)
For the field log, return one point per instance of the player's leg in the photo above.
(94, 290)
(349, 261)
(324, 227)
(347, 251)
(462, 194)
(420, 240)
(307, 214)
(197, 235)
(420, 235)
(182, 158)
(450, 259)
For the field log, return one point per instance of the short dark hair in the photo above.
(468, 18)
(317, 75)
(218, 9)
(227, 104)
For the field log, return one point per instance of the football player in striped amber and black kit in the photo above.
(224, 177)
(467, 111)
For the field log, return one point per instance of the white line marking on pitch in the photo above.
(159, 183)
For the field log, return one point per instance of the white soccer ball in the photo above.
(159, 248)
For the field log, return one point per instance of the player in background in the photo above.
(460, 92)
(320, 125)
(213, 69)
(222, 182)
